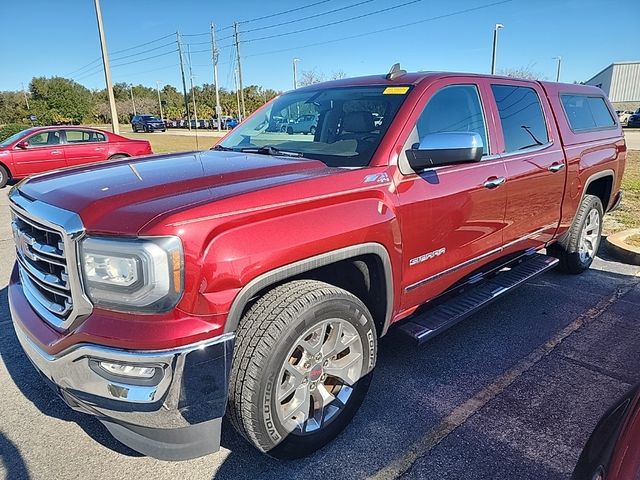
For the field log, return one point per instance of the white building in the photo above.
(620, 81)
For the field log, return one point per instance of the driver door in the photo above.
(452, 216)
(44, 152)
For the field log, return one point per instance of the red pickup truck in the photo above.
(158, 293)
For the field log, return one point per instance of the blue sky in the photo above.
(60, 37)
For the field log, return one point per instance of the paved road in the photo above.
(513, 392)
(632, 136)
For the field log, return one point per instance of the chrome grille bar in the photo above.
(46, 254)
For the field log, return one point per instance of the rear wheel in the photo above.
(4, 176)
(579, 247)
(302, 366)
(290, 130)
(116, 156)
(312, 130)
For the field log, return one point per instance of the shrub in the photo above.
(10, 129)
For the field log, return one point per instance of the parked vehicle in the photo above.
(256, 278)
(634, 119)
(303, 124)
(231, 123)
(147, 123)
(613, 450)
(623, 117)
(41, 149)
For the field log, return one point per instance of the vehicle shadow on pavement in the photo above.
(34, 388)
(10, 458)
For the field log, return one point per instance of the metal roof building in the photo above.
(620, 81)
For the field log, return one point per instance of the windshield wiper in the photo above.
(270, 150)
(222, 148)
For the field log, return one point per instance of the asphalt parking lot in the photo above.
(513, 392)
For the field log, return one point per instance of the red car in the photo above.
(42, 149)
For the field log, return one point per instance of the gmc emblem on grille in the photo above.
(22, 244)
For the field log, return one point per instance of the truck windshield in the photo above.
(340, 126)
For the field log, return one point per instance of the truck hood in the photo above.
(122, 196)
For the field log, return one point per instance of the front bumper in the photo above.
(175, 415)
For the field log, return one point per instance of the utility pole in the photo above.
(495, 47)
(235, 78)
(237, 37)
(159, 101)
(133, 102)
(107, 71)
(214, 58)
(193, 94)
(295, 72)
(184, 81)
(559, 59)
(26, 99)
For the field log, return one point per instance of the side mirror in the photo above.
(22, 145)
(445, 148)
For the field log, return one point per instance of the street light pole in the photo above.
(495, 47)
(559, 59)
(295, 72)
(159, 101)
(214, 53)
(107, 71)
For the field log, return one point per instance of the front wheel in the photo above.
(4, 176)
(579, 247)
(302, 366)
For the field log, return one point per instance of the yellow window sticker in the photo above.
(395, 90)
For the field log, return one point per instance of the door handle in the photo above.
(56, 152)
(99, 149)
(495, 182)
(556, 167)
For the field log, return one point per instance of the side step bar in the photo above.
(429, 323)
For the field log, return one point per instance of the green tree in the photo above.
(60, 100)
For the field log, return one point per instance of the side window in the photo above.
(521, 116)
(44, 138)
(455, 108)
(586, 113)
(84, 136)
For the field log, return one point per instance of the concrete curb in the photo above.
(623, 251)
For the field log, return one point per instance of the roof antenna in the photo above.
(395, 72)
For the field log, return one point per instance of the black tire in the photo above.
(290, 130)
(267, 333)
(312, 130)
(567, 250)
(117, 156)
(134, 128)
(4, 176)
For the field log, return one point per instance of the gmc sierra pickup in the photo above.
(159, 293)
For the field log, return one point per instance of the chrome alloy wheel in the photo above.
(590, 236)
(316, 381)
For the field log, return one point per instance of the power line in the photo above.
(145, 51)
(387, 29)
(142, 44)
(99, 68)
(281, 13)
(337, 22)
(288, 22)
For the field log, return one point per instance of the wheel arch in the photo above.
(6, 167)
(356, 257)
(601, 185)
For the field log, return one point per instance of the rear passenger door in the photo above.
(85, 146)
(534, 161)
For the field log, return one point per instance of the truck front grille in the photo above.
(46, 258)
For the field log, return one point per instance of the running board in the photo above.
(426, 325)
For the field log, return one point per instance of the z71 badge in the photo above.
(427, 256)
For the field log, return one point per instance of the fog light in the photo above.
(125, 370)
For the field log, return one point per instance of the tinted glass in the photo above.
(84, 136)
(453, 109)
(586, 113)
(521, 116)
(44, 138)
(340, 126)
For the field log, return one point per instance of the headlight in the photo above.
(143, 275)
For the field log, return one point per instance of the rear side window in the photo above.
(521, 116)
(84, 136)
(586, 112)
